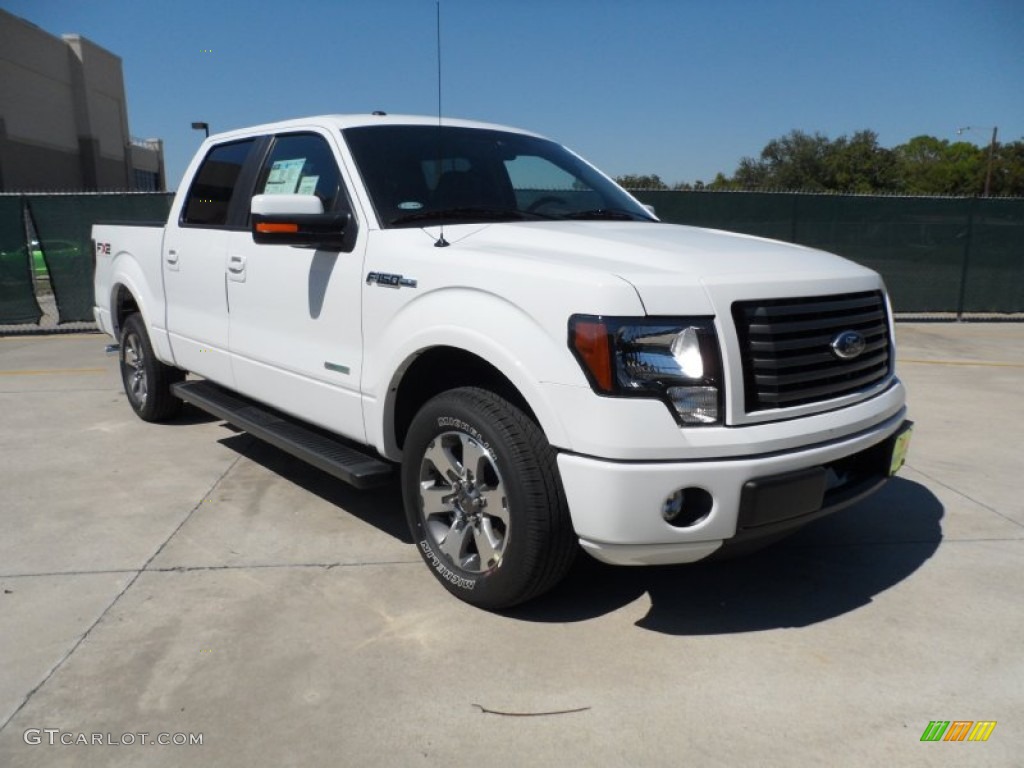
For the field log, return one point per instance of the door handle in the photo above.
(172, 259)
(236, 268)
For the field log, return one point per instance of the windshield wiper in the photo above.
(607, 214)
(470, 213)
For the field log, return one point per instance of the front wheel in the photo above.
(484, 501)
(147, 381)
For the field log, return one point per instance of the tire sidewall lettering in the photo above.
(538, 544)
(436, 562)
(453, 422)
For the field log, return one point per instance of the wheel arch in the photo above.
(134, 289)
(122, 304)
(437, 369)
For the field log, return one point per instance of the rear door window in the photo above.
(209, 197)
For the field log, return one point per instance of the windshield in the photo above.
(418, 175)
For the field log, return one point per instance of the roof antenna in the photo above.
(441, 242)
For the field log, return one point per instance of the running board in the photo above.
(314, 446)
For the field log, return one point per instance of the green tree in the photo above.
(859, 164)
(797, 160)
(721, 183)
(925, 165)
(814, 162)
(931, 166)
(641, 181)
(1008, 170)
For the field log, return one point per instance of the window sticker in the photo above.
(410, 205)
(284, 176)
(307, 185)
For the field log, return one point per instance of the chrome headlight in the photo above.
(676, 360)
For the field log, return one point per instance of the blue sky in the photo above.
(680, 88)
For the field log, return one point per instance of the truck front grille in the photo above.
(786, 347)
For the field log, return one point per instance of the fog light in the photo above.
(673, 506)
(686, 507)
(695, 405)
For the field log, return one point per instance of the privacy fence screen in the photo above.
(937, 255)
(17, 295)
(46, 248)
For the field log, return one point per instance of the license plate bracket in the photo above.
(900, 446)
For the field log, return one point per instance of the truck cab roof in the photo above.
(340, 122)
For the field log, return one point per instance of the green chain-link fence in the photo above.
(962, 255)
(58, 260)
(64, 226)
(957, 255)
(18, 303)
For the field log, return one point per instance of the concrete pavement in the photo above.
(186, 580)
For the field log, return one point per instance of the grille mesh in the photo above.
(787, 354)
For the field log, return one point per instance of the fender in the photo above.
(126, 271)
(506, 336)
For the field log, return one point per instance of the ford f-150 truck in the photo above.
(550, 366)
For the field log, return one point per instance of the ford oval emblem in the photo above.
(848, 345)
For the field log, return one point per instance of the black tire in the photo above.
(497, 533)
(147, 381)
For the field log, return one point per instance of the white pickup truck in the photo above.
(550, 366)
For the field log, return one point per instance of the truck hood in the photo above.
(672, 265)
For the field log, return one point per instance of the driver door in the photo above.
(295, 333)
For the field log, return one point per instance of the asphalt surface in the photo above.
(184, 581)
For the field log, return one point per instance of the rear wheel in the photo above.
(147, 381)
(484, 501)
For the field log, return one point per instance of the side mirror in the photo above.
(297, 220)
(650, 209)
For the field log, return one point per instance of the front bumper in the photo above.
(617, 506)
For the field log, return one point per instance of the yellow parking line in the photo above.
(50, 371)
(43, 336)
(983, 363)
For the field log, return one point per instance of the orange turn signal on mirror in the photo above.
(590, 341)
(266, 226)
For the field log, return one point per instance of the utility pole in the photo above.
(991, 157)
(991, 153)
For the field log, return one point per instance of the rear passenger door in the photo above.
(296, 337)
(195, 258)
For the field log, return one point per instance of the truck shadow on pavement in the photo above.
(379, 507)
(831, 567)
(188, 417)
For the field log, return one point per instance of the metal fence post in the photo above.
(796, 217)
(968, 239)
